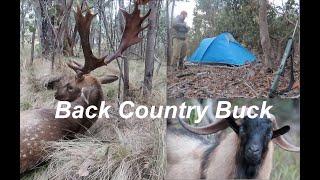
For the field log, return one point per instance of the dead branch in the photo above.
(245, 83)
(185, 74)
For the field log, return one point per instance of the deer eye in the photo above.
(69, 88)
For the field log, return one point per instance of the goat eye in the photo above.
(241, 131)
(269, 135)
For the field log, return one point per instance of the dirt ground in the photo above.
(218, 81)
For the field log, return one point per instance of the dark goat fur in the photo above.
(262, 127)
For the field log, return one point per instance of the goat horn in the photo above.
(209, 129)
(284, 144)
(281, 141)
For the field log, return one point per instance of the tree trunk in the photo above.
(60, 19)
(264, 36)
(172, 11)
(125, 61)
(142, 47)
(100, 28)
(73, 39)
(149, 60)
(67, 44)
(22, 22)
(105, 23)
(66, 40)
(92, 35)
(169, 44)
(125, 78)
(46, 33)
(32, 44)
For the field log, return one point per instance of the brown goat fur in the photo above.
(183, 162)
(186, 155)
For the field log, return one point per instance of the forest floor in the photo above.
(218, 81)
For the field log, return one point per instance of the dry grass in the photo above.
(112, 148)
(127, 149)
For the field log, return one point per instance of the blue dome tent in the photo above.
(222, 49)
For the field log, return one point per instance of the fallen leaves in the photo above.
(207, 81)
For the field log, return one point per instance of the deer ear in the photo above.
(53, 82)
(280, 131)
(232, 123)
(78, 78)
(108, 79)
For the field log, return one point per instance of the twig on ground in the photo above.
(184, 74)
(245, 83)
(202, 73)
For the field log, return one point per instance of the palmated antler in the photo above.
(131, 31)
(130, 37)
(142, 1)
(83, 24)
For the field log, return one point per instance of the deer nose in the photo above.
(57, 96)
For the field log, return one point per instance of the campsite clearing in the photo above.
(206, 81)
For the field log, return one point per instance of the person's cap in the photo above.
(184, 13)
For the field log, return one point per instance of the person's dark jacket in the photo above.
(180, 28)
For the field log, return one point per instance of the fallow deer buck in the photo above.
(39, 126)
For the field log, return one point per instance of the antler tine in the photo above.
(83, 27)
(130, 35)
(76, 67)
(145, 16)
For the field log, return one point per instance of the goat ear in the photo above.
(108, 79)
(232, 123)
(281, 131)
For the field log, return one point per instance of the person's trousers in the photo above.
(179, 51)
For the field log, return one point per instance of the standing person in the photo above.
(179, 35)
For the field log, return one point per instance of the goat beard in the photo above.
(244, 169)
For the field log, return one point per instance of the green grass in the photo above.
(25, 105)
(111, 93)
(286, 165)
